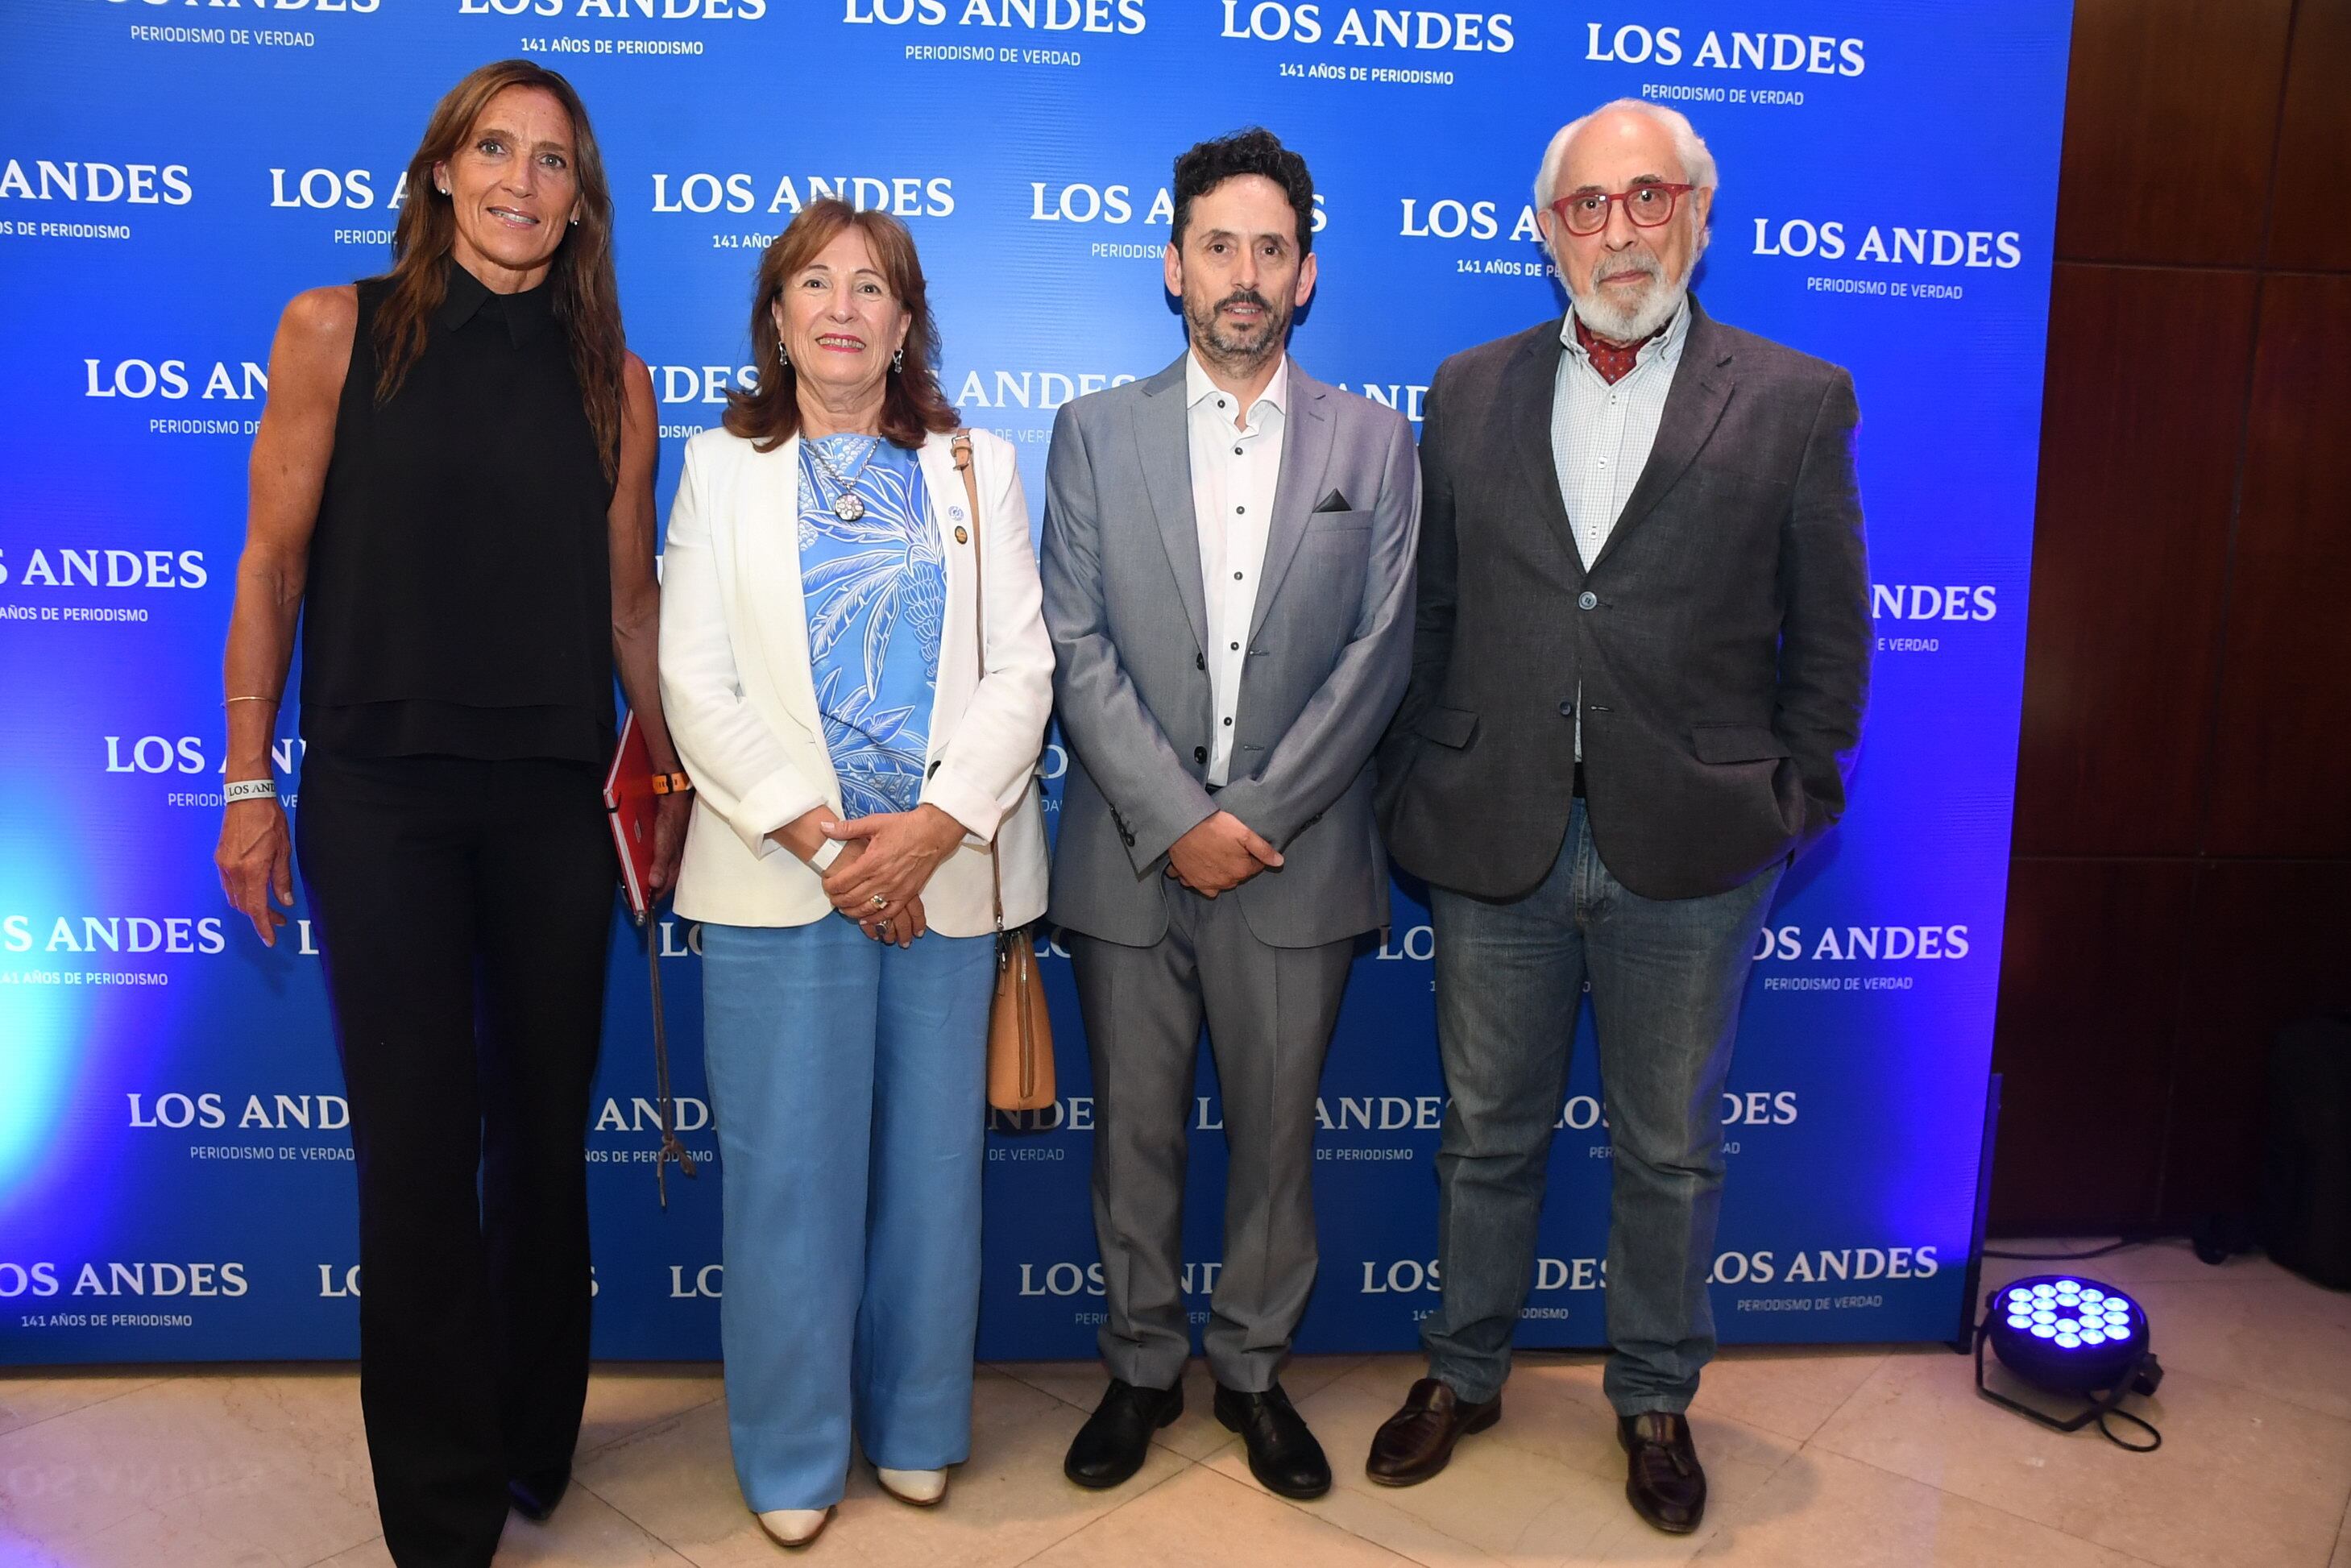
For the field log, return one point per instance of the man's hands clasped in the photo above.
(1220, 854)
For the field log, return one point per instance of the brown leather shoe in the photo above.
(1663, 1480)
(1414, 1443)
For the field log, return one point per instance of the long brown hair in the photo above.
(912, 404)
(587, 299)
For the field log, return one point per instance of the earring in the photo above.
(443, 189)
(575, 220)
(783, 353)
(898, 360)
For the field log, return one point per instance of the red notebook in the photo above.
(629, 800)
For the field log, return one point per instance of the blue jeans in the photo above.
(1666, 978)
(849, 1080)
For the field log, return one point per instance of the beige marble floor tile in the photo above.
(1824, 1511)
(274, 1462)
(1496, 1501)
(1554, 1414)
(628, 1396)
(2274, 1332)
(2242, 1478)
(676, 1479)
(1790, 1389)
(586, 1533)
(28, 1396)
(1196, 1433)
(1200, 1517)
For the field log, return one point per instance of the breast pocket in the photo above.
(1336, 555)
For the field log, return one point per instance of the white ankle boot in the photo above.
(795, 1526)
(921, 1488)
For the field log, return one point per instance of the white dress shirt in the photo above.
(1601, 435)
(1235, 467)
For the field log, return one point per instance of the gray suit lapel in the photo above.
(1530, 381)
(1701, 390)
(1308, 436)
(1162, 445)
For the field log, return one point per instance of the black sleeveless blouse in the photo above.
(459, 600)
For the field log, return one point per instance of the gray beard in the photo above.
(1222, 348)
(1620, 325)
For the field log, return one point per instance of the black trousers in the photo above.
(462, 910)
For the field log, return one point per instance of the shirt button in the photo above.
(1239, 511)
(1229, 724)
(1236, 647)
(1236, 452)
(1237, 576)
(1587, 601)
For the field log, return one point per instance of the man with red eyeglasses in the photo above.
(1641, 651)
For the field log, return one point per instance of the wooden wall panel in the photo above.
(2270, 944)
(2138, 465)
(2091, 974)
(2283, 762)
(2171, 107)
(2310, 223)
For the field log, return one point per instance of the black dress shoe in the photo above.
(1662, 1477)
(1282, 1453)
(536, 1494)
(1116, 1438)
(1414, 1443)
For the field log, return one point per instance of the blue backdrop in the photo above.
(175, 1176)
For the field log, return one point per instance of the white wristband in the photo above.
(827, 852)
(250, 790)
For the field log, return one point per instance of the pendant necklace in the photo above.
(847, 504)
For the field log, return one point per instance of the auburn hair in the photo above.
(912, 406)
(587, 298)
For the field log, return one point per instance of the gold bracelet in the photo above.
(225, 701)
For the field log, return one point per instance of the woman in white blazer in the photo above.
(854, 755)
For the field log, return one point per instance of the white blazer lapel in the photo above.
(951, 511)
(771, 613)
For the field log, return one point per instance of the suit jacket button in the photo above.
(1587, 599)
(1199, 661)
(1129, 838)
(1567, 710)
(1199, 754)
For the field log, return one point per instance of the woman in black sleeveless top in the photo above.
(453, 490)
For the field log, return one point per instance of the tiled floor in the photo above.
(1821, 1457)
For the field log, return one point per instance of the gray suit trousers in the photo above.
(1269, 1012)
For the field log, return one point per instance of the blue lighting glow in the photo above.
(2069, 1286)
(2043, 1330)
(2068, 1342)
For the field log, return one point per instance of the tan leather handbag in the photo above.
(1019, 1032)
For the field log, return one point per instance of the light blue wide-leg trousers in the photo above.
(849, 1082)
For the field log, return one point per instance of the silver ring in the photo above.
(886, 928)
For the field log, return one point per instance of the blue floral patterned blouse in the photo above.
(876, 593)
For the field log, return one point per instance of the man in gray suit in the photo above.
(1642, 649)
(1228, 565)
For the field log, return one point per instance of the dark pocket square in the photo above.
(1336, 501)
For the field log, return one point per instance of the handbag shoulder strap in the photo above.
(963, 463)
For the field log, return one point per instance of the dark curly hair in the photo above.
(1255, 151)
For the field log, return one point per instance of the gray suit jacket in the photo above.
(1721, 641)
(1328, 645)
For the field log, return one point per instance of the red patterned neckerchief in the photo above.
(1613, 362)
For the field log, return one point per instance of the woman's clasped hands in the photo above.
(885, 862)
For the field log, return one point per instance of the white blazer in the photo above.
(741, 702)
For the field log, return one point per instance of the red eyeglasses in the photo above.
(1587, 213)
